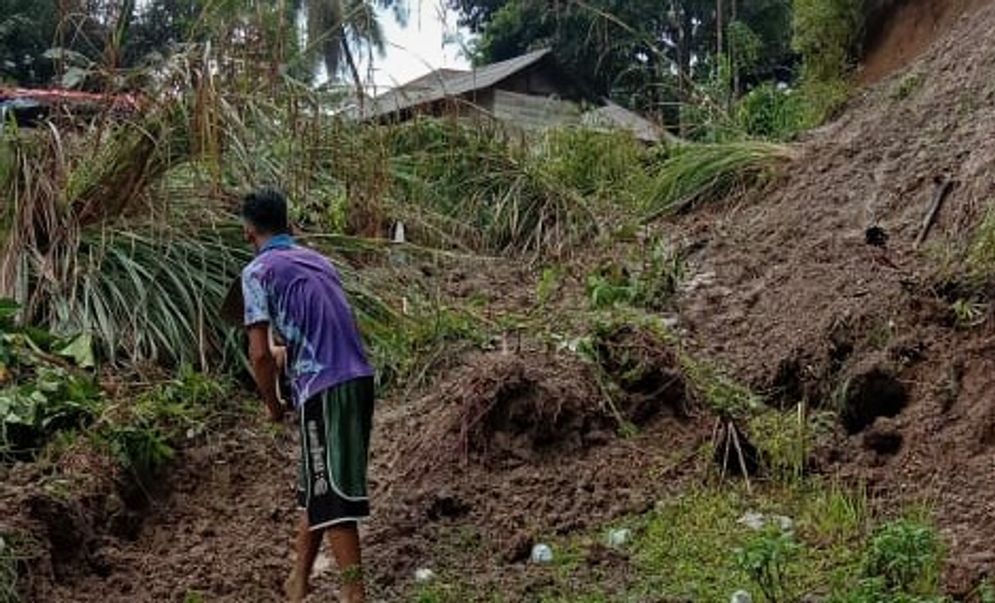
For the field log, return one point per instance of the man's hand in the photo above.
(264, 370)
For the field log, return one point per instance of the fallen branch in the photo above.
(943, 188)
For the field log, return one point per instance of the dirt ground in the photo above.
(911, 27)
(223, 521)
(787, 295)
(798, 304)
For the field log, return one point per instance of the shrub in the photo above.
(771, 113)
(905, 557)
(827, 34)
(765, 559)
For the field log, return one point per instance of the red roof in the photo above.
(56, 96)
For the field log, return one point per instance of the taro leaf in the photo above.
(80, 351)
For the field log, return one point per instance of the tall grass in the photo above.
(481, 190)
(698, 173)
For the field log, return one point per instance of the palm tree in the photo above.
(335, 28)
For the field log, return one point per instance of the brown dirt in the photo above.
(796, 303)
(907, 29)
(544, 459)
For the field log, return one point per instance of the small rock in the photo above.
(619, 537)
(741, 596)
(424, 574)
(541, 554)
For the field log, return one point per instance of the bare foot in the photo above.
(296, 588)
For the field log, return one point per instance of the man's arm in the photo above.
(264, 369)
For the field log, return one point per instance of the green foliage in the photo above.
(649, 284)
(696, 547)
(427, 338)
(907, 86)
(8, 570)
(981, 254)
(549, 283)
(765, 558)
(827, 34)
(770, 113)
(40, 394)
(904, 556)
(141, 449)
(473, 187)
(719, 392)
(141, 433)
(608, 166)
(699, 173)
(784, 439)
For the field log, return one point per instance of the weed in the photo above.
(906, 86)
(765, 558)
(650, 283)
(8, 570)
(905, 556)
(783, 437)
(826, 34)
(718, 391)
(142, 450)
(986, 592)
(549, 283)
(981, 254)
(968, 313)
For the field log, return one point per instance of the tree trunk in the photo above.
(354, 70)
(719, 26)
(732, 57)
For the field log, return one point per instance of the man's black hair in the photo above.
(266, 210)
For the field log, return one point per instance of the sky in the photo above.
(430, 40)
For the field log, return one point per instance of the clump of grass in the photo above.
(475, 188)
(8, 570)
(718, 391)
(981, 253)
(696, 546)
(699, 173)
(905, 87)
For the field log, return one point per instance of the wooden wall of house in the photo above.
(530, 112)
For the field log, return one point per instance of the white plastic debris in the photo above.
(741, 596)
(619, 537)
(424, 574)
(756, 521)
(752, 520)
(785, 523)
(541, 554)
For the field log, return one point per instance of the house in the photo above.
(529, 92)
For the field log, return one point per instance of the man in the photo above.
(298, 293)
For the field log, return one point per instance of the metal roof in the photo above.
(446, 83)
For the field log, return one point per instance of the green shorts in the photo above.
(335, 442)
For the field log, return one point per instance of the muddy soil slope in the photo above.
(799, 302)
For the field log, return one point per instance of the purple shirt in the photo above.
(299, 293)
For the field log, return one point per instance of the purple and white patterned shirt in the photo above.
(300, 294)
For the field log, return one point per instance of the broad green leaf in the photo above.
(80, 350)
